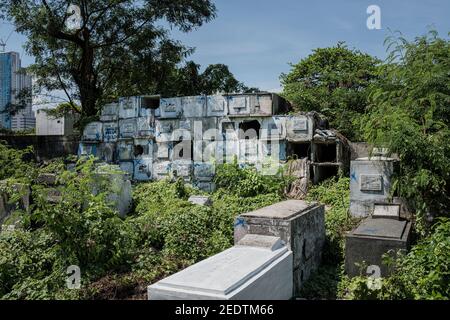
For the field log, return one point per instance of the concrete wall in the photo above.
(45, 147)
(359, 150)
(366, 245)
(6, 207)
(299, 224)
(370, 183)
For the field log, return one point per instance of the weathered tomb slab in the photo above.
(239, 273)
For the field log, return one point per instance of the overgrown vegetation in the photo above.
(16, 164)
(410, 115)
(335, 194)
(118, 257)
(334, 81)
(247, 181)
(407, 112)
(423, 273)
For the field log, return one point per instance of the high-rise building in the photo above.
(14, 83)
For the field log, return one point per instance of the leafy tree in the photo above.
(334, 82)
(188, 80)
(16, 164)
(119, 47)
(216, 78)
(62, 109)
(410, 115)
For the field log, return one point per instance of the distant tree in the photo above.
(217, 78)
(246, 89)
(188, 80)
(334, 82)
(62, 109)
(119, 48)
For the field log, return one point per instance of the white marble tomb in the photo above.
(258, 267)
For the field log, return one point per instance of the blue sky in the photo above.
(258, 38)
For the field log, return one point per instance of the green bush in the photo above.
(228, 206)
(18, 164)
(165, 220)
(154, 203)
(29, 257)
(188, 232)
(246, 182)
(424, 273)
(89, 231)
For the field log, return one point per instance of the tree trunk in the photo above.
(86, 80)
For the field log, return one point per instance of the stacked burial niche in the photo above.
(384, 227)
(152, 138)
(276, 250)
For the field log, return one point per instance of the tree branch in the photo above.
(61, 82)
(102, 12)
(101, 45)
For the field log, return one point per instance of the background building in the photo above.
(51, 126)
(14, 82)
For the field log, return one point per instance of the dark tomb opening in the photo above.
(150, 102)
(299, 150)
(249, 129)
(183, 150)
(325, 172)
(138, 150)
(325, 152)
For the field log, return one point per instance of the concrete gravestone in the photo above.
(120, 194)
(259, 267)
(8, 209)
(370, 183)
(386, 211)
(200, 200)
(373, 238)
(299, 224)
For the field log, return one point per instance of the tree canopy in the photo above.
(401, 104)
(120, 47)
(334, 82)
(216, 78)
(409, 113)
